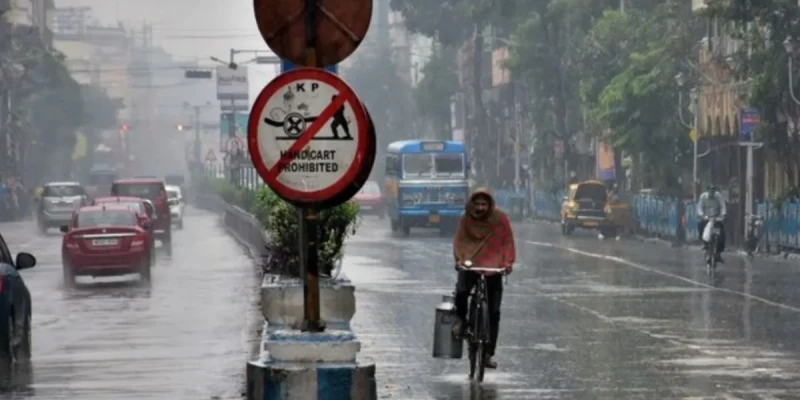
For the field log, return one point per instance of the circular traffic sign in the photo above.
(369, 161)
(340, 27)
(234, 144)
(318, 165)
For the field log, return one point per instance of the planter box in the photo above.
(282, 302)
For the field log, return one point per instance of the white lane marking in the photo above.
(657, 271)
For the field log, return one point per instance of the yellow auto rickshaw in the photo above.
(586, 206)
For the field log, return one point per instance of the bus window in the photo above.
(449, 164)
(392, 165)
(416, 165)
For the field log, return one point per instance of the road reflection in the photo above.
(16, 380)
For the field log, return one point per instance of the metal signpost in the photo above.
(310, 137)
(749, 122)
(287, 66)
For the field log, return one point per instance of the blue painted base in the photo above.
(275, 381)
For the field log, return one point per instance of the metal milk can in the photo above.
(445, 345)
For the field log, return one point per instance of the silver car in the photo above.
(59, 200)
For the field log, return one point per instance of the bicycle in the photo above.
(711, 249)
(754, 233)
(478, 330)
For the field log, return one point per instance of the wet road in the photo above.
(584, 319)
(185, 337)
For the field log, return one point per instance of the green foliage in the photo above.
(47, 110)
(639, 102)
(100, 111)
(386, 95)
(766, 67)
(280, 220)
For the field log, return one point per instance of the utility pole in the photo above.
(198, 148)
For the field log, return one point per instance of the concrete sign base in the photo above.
(268, 380)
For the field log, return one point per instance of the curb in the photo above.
(275, 381)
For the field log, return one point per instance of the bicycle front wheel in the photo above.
(483, 339)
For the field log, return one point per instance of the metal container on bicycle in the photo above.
(445, 344)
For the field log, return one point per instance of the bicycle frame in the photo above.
(478, 334)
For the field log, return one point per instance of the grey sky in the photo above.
(189, 29)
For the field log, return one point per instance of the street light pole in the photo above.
(681, 81)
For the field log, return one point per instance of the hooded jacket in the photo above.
(486, 241)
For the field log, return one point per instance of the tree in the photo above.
(387, 96)
(100, 110)
(544, 54)
(458, 23)
(763, 62)
(639, 102)
(47, 107)
(434, 91)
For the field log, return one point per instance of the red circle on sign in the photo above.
(270, 175)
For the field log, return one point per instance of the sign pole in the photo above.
(309, 215)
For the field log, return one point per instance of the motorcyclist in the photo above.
(484, 237)
(711, 205)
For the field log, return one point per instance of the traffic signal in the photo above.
(197, 74)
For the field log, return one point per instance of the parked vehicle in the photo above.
(426, 184)
(105, 240)
(155, 191)
(370, 200)
(176, 205)
(585, 206)
(15, 306)
(57, 203)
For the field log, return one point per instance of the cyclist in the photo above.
(711, 205)
(484, 237)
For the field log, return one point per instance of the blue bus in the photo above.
(426, 184)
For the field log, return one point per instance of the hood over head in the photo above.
(480, 192)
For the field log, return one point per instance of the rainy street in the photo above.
(186, 337)
(583, 319)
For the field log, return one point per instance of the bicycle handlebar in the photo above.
(483, 270)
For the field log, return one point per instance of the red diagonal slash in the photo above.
(305, 137)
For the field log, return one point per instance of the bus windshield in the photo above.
(433, 164)
(449, 164)
(416, 165)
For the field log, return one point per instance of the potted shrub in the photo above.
(280, 220)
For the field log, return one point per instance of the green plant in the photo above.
(228, 191)
(280, 220)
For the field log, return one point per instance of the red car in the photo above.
(155, 191)
(104, 240)
(370, 200)
(144, 209)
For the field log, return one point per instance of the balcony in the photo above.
(718, 48)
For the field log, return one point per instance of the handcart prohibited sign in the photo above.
(309, 136)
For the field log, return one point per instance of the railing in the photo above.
(514, 202)
(243, 226)
(547, 205)
(662, 216)
(656, 216)
(781, 225)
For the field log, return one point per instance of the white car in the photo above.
(176, 205)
